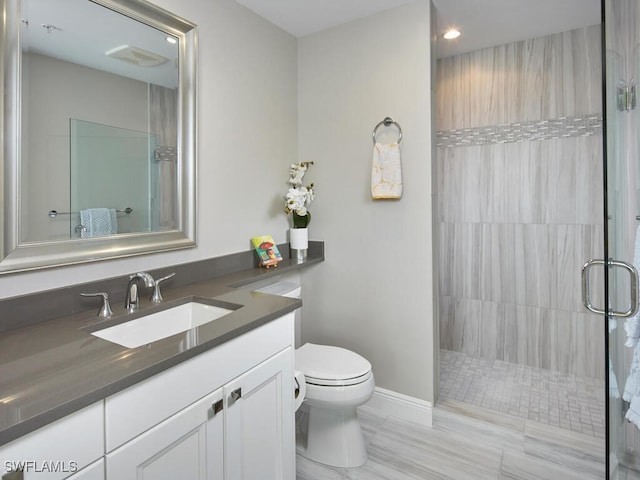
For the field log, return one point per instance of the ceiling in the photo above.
(303, 17)
(82, 32)
(483, 23)
(85, 31)
(486, 23)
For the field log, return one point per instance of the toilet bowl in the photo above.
(337, 382)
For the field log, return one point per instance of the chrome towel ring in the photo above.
(386, 122)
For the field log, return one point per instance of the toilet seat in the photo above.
(327, 365)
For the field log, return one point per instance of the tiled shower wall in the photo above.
(520, 201)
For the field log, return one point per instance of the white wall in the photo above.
(374, 292)
(247, 130)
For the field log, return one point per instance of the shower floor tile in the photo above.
(530, 393)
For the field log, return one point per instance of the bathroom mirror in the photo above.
(98, 123)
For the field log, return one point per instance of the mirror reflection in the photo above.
(99, 129)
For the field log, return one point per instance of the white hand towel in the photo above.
(98, 222)
(386, 171)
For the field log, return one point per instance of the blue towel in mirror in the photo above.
(98, 222)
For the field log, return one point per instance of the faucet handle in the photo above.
(157, 296)
(105, 310)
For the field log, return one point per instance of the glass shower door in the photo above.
(622, 242)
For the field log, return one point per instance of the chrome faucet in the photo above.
(132, 301)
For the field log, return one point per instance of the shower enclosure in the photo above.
(534, 138)
(521, 208)
(622, 252)
(116, 168)
(520, 211)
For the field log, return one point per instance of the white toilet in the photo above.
(337, 382)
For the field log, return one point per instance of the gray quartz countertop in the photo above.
(53, 368)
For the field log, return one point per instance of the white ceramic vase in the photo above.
(298, 243)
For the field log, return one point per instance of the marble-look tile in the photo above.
(464, 444)
(537, 192)
(576, 245)
(510, 333)
(587, 447)
(536, 336)
(460, 259)
(559, 73)
(446, 243)
(523, 467)
(582, 70)
(491, 331)
(470, 259)
(450, 178)
(446, 312)
(309, 470)
(488, 389)
(590, 349)
(474, 187)
(566, 358)
(536, 282)
(431, 452)
(565, 455)
(498, 267)
(465, 326)
(461, 413)
(579, 180)
(580, 344)
(502, 170)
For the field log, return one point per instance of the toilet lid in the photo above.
(328, 365)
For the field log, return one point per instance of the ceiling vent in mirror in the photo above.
(136, 56)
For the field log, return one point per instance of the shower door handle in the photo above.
(633, 286)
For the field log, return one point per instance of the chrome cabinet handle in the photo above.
(236, 394)
(633, 285)
(217, 407)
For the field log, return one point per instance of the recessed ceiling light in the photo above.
(451, 34)
(172, 40)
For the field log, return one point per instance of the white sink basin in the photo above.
(156, 326)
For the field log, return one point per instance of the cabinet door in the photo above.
(95, 471)
(57, 450)
(260, 436)
(186, 446)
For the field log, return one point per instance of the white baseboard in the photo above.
(401, 406)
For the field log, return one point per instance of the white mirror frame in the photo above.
(16, 257)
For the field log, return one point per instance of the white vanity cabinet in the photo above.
(242, 429)
(225, 414)
(188, 445)
(95, 471)
(59, 449)
(260, 432)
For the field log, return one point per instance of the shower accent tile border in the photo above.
(562, 127)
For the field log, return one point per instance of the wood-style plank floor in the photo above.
(468, 442)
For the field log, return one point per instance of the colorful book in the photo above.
(267, 250)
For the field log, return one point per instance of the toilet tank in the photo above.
(291, 290)
(284, 289)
